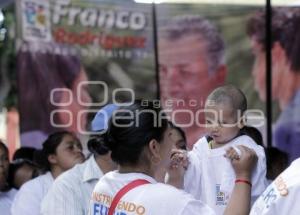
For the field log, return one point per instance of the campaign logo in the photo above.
(35, 14)
(36, 20)
(221, 197)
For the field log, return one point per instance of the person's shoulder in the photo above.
(71, 176)
(6, 198)
(9, 194)
(288, 181)
(36, 185)
(296, 163)
(106, 179)
(292, 174)
(161, 192)
(44, 178)
(244, 140)
(200, 145)
(280, 194)
(13, 192)
(202, 140)
(185, 202)
(31, 185)
(247, 141)
(167, 191)
(111, 175)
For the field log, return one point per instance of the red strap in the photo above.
(123, 191)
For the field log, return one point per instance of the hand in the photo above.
(233, 153)
(179, 158)
(178, 165)
(243, 166)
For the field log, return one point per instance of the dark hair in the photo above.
(15, 166)
(181, 132)
(254, 133)
(3, 146)
(185, 25)
(285, 29)
(277, 161)
(131, 128)
(24, 153)
(96, 144)
(5, 187)
(50, 145)
(290, 40)
(39, 72)
(256, 25)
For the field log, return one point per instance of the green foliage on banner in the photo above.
(8, 88)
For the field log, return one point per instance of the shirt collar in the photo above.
(132, 176)
(91, 171)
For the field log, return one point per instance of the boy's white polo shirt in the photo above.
(210, 176)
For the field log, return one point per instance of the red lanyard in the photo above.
(123, 191)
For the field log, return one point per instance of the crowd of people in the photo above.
(225, 173)
(140, 162)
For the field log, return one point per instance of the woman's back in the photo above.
(152, 198)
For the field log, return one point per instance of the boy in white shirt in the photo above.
(209, 176)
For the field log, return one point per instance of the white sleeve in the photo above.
(62, 199)
(195, 208)
(272, 203)
(192, 176)
(27, 201)
(259, 181)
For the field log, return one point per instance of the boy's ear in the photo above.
(242, 122)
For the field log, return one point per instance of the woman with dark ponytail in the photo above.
(140, 139)
(96, 145)
(70, 193)
(61, 151)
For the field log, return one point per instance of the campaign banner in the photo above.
(74, 57)
(202, 47)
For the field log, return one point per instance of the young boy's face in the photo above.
(221, 122)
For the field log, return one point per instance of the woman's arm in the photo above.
(239, 203)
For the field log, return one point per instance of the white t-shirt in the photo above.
(148, 199)
(28, 199)
(6, 199)
(210, 176)
(71, 191)
(282, 196)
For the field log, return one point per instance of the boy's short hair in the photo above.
(228, 94)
